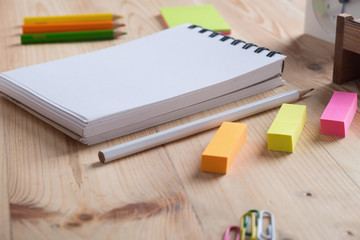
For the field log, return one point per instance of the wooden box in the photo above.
(347, 49)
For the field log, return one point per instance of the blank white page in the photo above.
(152, 69)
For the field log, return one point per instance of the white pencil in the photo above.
(197, 126)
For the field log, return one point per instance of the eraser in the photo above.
(223, 148)
(286, 128)
(339, 113)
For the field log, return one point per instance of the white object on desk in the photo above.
(132, 86)
(197, 126)
(320, 19)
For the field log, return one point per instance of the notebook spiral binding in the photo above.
(235, 41)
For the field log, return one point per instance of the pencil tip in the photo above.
(116, 25)
(101, 157)
(306, 91)
(118, 34)
(117, 16)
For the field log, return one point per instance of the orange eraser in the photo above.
(223, 148)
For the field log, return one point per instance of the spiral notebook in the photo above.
(115, 91)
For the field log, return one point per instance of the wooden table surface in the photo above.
(53, 187)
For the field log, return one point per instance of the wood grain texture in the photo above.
(5, 226)
(347, 50)
(53, 187)
(351, 36)
(4, 200)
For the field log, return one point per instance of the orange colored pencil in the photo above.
(69, 27)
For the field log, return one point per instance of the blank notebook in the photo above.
(203, 15)
(115, 91)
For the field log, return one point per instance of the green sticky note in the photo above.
(285, 130)
(205, 16)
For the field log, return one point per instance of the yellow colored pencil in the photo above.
(72, 18)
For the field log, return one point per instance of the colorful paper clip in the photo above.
(229, 229)
(270, 229)
(247, 220)
(244, 226)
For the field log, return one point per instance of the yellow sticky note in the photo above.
(223, 148)
(285, 130)
(205, 16)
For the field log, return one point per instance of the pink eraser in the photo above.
(339, 113)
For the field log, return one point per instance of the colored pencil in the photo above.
(72, 18)
(69, 27)
(69, 36)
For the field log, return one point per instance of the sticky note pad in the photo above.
(205, 16)
(339, 113)
(223, 148)
(286, 128)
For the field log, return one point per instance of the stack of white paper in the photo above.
(118, 90)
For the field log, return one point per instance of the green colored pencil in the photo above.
(69, 36)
